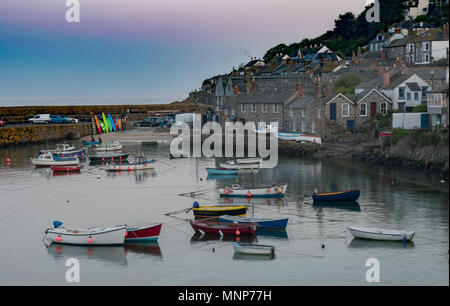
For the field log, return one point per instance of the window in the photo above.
(426, 46)
(264, 108)
(401, 92)
(303, 126)
(345, 110)
(363, 109)
(383, 108)
(408, 96)
(424, 92)
(303, 113)
(253, 108)
(416, 96)
(318, 113)
(275, 108)
(291, 113)
(293, 126)
(313, 127)
(243, 108)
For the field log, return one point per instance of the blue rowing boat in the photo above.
(215, 171)
(261, 223)
(90, 143)
(350, 195)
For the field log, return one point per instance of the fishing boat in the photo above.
(48, 159)
(223, 229)
(309, 138)
(249, 161)
(381, 234)
(143, 233)
(253, 249)
(80, 153)
(60, 147)
(217, 211)
(216, 171)
(113, 146)
(289, 136)
(65, 169)
(269, 128)
(231, 165)
(261, 223)
(109, 157)
(141, 163)
(349, 195)
(275, 191)
(91, 236)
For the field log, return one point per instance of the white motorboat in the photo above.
(113, 235)
(231, 165)
(112, 146)
(48, 159)
(275, 191)
(380, 234)
(250, 160)
(309, 138)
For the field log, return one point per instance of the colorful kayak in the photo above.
(97, 125)
(350, 195)
(65, 169)
(105, 122)
(143, 234)
(381, 234)
(215, 171)
(217, 211)
(113, 126)
(277, 191)
(223, 229)
(253, 249)
(120, 123)
(261, 223)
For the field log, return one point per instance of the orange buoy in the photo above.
(238, 232)
(268, 190)
(58, 239)
(90, 239)
(280, 191)
(249, 195)
(227, 191)
(126, 234)
(103, 158)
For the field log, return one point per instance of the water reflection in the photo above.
(140, 176)
(149, 248)
(109, 254)
(220, 177)
(378, 244)
(346, 205)
(197, 237)
(279, 234)
(250, 257)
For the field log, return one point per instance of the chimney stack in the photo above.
(236, 89)
(253, 84)
(386, 78)
(247, 80)
(299, 89)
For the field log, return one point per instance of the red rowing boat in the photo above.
(144, 233)
(66, 169)
(220, 228)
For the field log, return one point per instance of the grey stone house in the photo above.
(354, 111)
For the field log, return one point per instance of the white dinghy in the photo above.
(114, 235)
(253, 249)
(380, 234)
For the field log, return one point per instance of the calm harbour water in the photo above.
(30, 199)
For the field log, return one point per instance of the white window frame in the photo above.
(275, 108)
(225, 111)
(313, 127)
(346, 105)
(291, 112)
(318, 114)
(303, 113)
(242, 108)
(253, 108)
(361, 110)
(383, 105)
(303, 126)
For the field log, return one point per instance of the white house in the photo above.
(427, 47)
(417, 8)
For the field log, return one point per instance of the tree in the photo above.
(346, 84)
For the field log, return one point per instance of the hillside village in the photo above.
(399, 80)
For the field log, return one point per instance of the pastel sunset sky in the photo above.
(156, 48)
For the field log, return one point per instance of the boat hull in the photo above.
(217, 211)
(253, 249)
(227, 229)
(238, 166)
(213, 171)
(108, 158)
(267, 192)
(380, 234)
(261, 223)
(48, 163)
(130, 167)
(143, 234)
(99, 236)
(351, 195)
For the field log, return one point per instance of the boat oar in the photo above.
(195, 205)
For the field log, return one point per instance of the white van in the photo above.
(41, 118)
(187, 118)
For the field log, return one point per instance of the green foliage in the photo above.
(383, 121)
(420, 137)
(421, 18)
(346, 84)
(422, 108)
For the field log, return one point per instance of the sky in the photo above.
(160, 49)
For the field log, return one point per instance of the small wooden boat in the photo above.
(113, 146)
(231, 165)
(253, 249)
(309, 138)
(223, 229)
(109, 157)
(277, 191)
(289, 136)
(66, 169)
(141, 163)
(49, 159)
(91, 236)
(270, 223)
(217, 211)
(143, 234)
(350, 195)
(249, 161)
(381, 234)
(215, 171)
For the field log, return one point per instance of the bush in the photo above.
(346, 84)
(422, 108)
(419, 137)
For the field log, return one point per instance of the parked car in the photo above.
(41, 118)
(167, 121)
(2, 123)
(72, 120)
(149, 122)
(59, 119)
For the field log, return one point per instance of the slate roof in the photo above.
(273, 97)
(414, 86)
